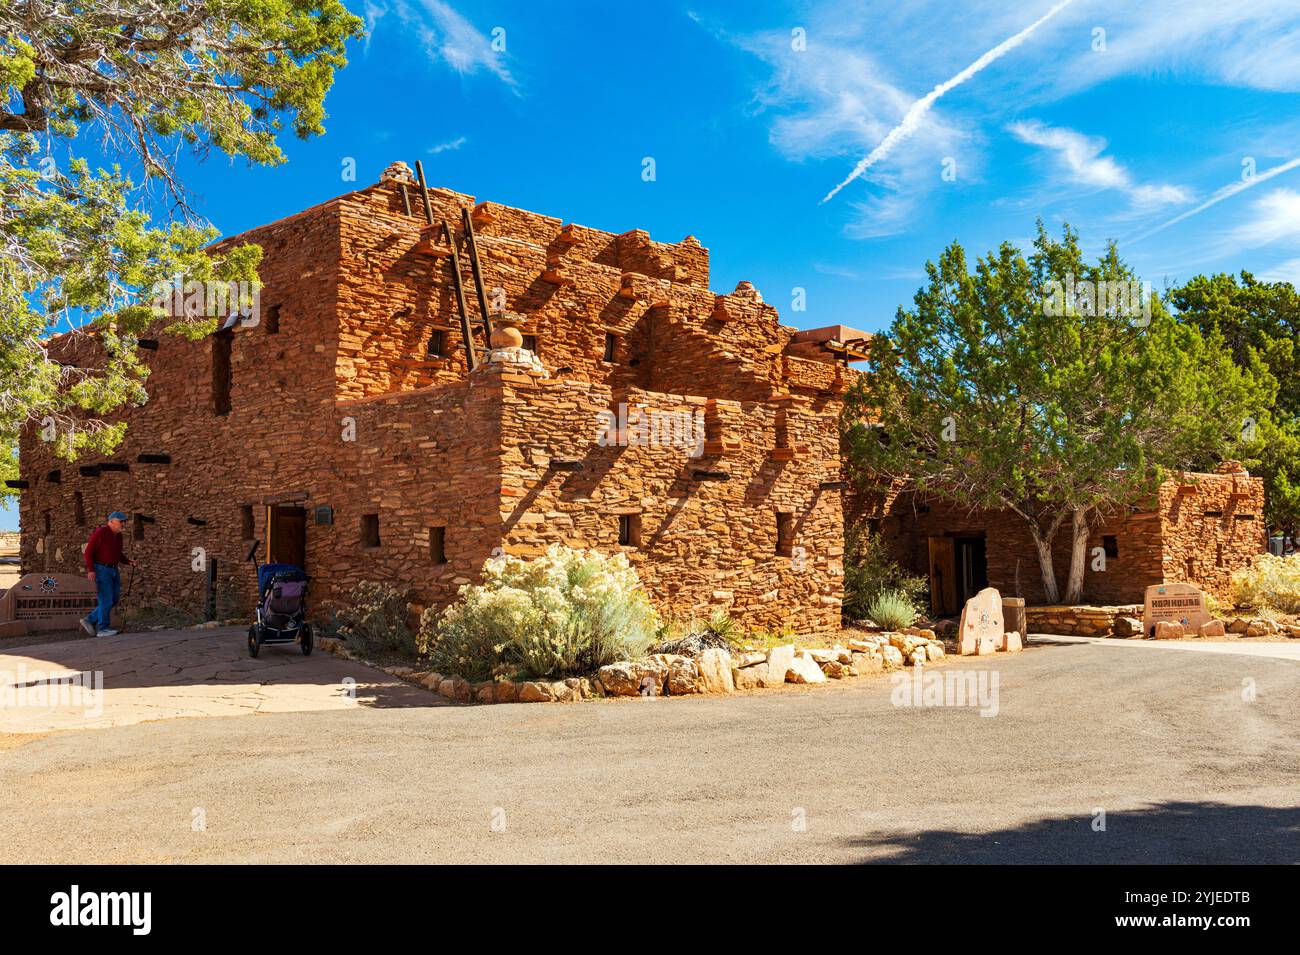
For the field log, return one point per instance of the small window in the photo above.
(1218, 555)
(438, 545)
(437, 346)
(629, 530)
(221, 372)
(369, 530)
(78, 508)
(55, 477)
(137, 527)
(611, 346)
(530, 342)
(246, 522)
(1110, 545)
(48, 520)
(273, 320)
(785, 534)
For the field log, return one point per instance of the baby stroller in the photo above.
(281, 607)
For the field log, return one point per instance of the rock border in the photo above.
(712, 671)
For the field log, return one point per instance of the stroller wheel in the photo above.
(305, 639)
(254, 641)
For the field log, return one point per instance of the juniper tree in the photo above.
(1026, 385)
(138, 82)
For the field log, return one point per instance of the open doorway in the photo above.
(958, 571)
(286, 535)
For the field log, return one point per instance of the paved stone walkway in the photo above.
(170, 674)
(1281, 650)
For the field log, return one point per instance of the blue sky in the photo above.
(1118, 117)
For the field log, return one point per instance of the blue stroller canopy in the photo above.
(268, 572)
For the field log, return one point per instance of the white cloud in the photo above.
(916, 112)
(1275, 219)
(1080, 156)
(450, 145)
(445, 34)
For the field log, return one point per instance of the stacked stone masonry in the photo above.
(337, 408)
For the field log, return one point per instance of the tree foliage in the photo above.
(1259, 321)
(1024, 385)
(78, 251)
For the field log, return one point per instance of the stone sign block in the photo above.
(1174, 603)
(980, 629)
(46, 602)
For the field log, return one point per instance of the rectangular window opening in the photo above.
(79, 508)
(273, 320)
(369, 530)
(1110, 544)
(221, 372)
(784, 534)
(629, 530)
(137, 527)
(438, 545)
(611, 346)
(246, 522)
(437, 344)
(530, 342)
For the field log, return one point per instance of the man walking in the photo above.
(103, 554)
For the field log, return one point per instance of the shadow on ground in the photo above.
(1168, 833)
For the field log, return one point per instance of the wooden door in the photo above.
(943, 576)
(286, 535)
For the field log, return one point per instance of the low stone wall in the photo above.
(1076, 621)
(670, 674)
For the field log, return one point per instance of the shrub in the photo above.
(869, 571)
(1269, 583)
(566, 612)
(892, 609)
(374, 619)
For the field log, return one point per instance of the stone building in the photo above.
(634, 411)
(1199, 528)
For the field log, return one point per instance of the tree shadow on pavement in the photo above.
(1168, 833)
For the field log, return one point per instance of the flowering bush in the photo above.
(374, 619)
(1270, 582)
(566, 612)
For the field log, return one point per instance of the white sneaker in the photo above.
(110, 632)
(88, 627)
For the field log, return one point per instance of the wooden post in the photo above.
(424, 192)
(471, 360)
(468, 222)
(210, 591)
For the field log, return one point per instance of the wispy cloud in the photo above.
(448, 146)
(1227, 192)
(445, 34)
(916, 112)
(1080, 157)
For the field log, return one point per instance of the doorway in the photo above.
(972, 567)
(958, 571)
(286, 535)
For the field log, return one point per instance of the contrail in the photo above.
(1226, 192)
(922, 106)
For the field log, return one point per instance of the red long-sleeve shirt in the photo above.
(104, 547)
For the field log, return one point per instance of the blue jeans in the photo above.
(108, 587)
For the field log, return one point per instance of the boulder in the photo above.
(432, 681)
(507, 692)
(868, 662)
(804, 669)
(625, 678)
(1128, 627)
(1169, 630)
(536, 692)
(934, 651)
(454, 688)
(905, 642)
(1011, 642)
(917, 657)
(821, 654)
(566, 691)
(1239, 626)
(778, 665)
(748, 678)
(484, 692)
(748, 658)
(715, 671)
(862, 646)
(892, 657)
(1212, 628)
(835, 669)
(684, 677)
